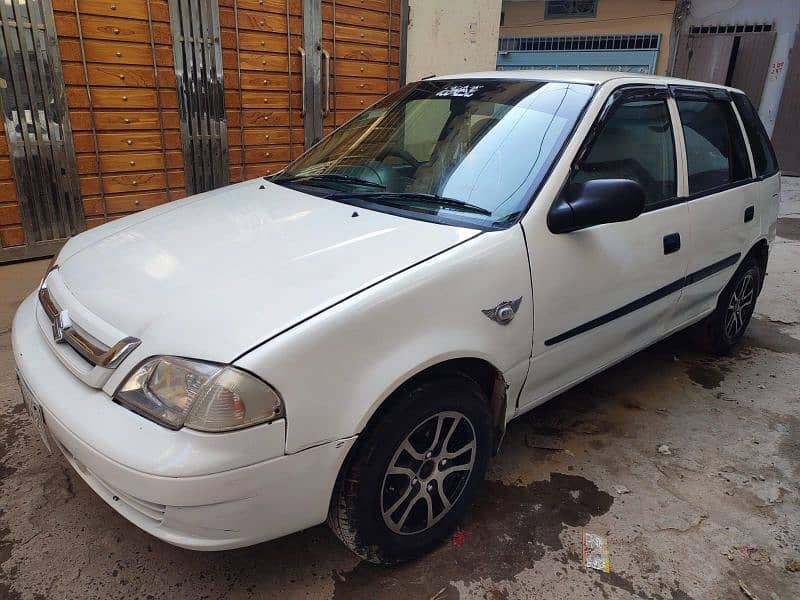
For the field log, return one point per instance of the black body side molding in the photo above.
(648, 299)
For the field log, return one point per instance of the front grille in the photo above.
(87, 345)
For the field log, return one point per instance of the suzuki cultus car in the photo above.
(347, 340)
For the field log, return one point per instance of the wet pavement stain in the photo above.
(789, 228)
(618, 581)
(768, 336)
(507, 530)
(708, 374)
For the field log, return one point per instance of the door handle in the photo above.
(327, 110)
(672, 243)
(749, 213)
(303, 81)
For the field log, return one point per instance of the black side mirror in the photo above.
(596, 202)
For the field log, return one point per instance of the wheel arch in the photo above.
(484, 373)
(760, 252)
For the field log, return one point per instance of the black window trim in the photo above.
(626, 93)
(708, 94)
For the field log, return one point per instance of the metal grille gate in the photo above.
(37, 127)
(201, 100)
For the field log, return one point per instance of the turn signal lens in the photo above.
(177, 392)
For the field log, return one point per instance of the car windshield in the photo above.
(469, 152)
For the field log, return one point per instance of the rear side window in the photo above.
(635, 143)
(763, 154)
(715, 152)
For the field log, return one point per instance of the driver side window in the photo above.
(635, 142)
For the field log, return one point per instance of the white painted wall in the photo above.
(783, 14)
(452, 36)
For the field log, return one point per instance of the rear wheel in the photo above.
(415, 472)
(725, 327)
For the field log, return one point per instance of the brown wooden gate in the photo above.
(126, 103)
(121, 90)
(260, 39)
(361, 63)
(735, 55)
(786, 135)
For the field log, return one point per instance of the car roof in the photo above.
(575, 76)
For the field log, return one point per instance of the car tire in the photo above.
(724, 328)
(430, 448)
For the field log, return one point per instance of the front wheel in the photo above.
(725, 327)
(415, 472)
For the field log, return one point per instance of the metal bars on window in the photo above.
(640, 41)
(37, 124)
(201, 99)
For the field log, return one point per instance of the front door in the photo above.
(604, 292)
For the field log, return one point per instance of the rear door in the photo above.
(723, 195)
(604, 292)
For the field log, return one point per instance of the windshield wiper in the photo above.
(333, 177)
(397, 198)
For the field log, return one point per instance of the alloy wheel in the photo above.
(428, 472)
(739, 307)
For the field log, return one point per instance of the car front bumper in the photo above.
(191, 489)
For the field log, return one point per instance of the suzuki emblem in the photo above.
(504, 312)
(60, 325)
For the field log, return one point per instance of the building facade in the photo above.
(754, 46)
(446, 37)
(113, 106)
(617, 35)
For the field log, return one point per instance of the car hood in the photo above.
(216, 274)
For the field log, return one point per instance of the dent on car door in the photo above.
(603, 292)
(722, 195)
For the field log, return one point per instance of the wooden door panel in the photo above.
(116, 8)
(354, 85)
(362, 52)
(98, 51)
(263, 118)
(124, 120)
(105, 28)
(264, 137)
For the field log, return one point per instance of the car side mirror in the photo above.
(596, 202)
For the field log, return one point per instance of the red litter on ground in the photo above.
(459, 537)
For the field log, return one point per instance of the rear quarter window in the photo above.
(763, 153)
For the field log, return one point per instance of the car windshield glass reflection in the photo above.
(478, 146)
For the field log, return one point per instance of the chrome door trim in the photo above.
(327, 108)
(197, 53)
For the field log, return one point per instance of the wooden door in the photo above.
(361, 59)
(786, 135)
(704, 57)
(752, 56)
(262, 65)
(121, 91)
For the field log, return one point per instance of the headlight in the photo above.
(204, 396)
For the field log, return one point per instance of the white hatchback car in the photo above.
(348, 339)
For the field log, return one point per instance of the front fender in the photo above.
(334, 370)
